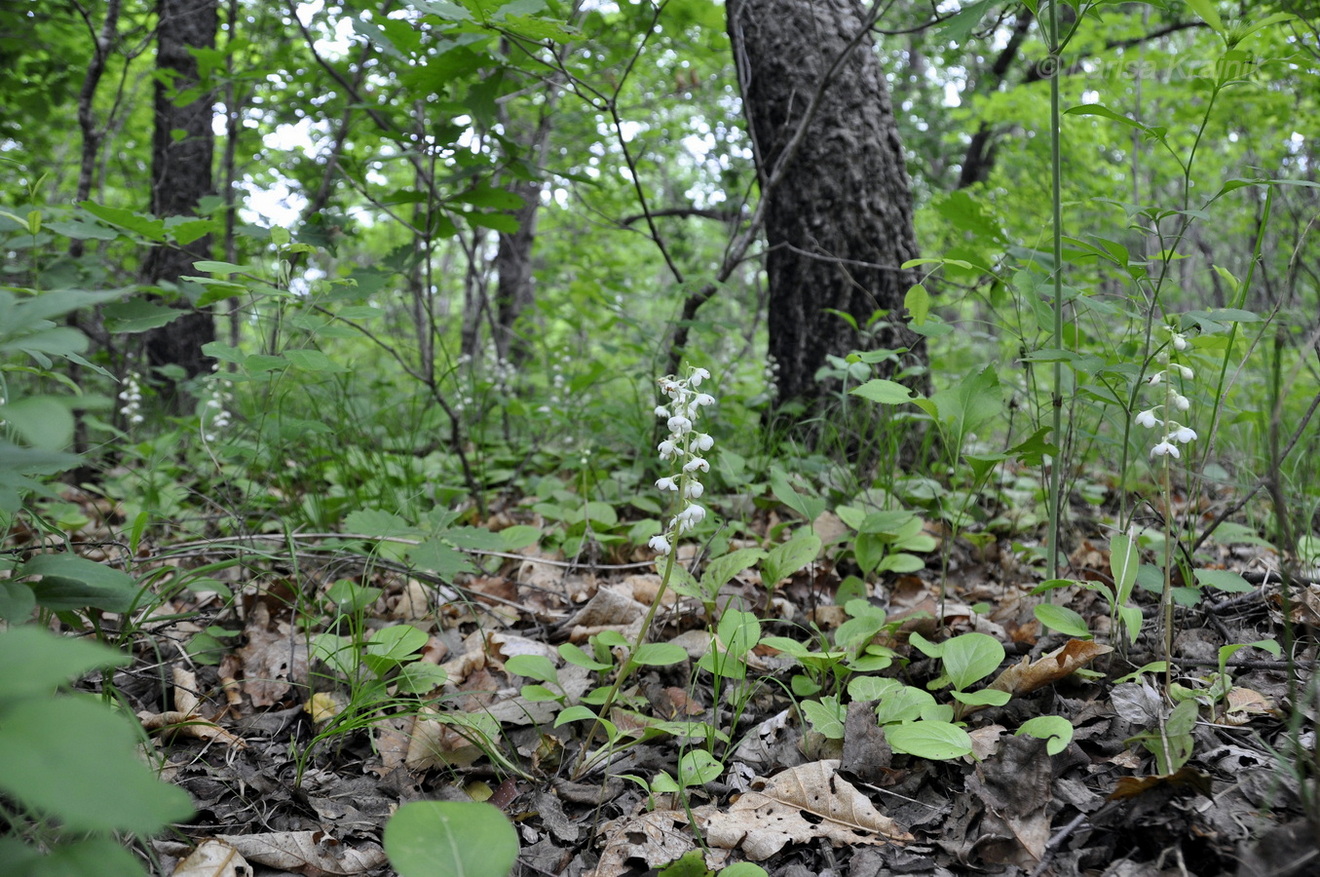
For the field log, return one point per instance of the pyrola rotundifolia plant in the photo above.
(683, 448)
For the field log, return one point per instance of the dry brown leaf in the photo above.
(306, 852)
(1246, 703)
(606, 610)
(437, 744)
(1027, 676)
(186, 719)
(273, 658)
(1185, 780)
(189, 725)
(213, 858)
(658, 838)
(795, 806)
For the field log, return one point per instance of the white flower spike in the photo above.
(683, 447)
(1174, 433)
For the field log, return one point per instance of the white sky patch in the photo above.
(277, 204)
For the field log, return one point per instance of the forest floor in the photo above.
(304, 784)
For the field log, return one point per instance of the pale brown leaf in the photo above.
(775, 813)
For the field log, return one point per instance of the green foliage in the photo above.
(70, 762)
(450, 839)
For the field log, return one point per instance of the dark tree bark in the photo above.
(516, 290)
(839, 213)
(182, 148)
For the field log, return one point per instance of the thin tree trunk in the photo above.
(183, 145)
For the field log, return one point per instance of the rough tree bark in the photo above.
(182, 147)
(839, 221)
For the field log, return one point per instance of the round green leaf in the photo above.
(450, 839)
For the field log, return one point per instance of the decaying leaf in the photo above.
(306, 852)
(187, 719)
(213, 858)
(656, 838)
(1184, 780)
(795, 806)
(274, 658)
(1246, 703)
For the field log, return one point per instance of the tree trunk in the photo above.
(516, 291)
(181, 154)
(839, 216)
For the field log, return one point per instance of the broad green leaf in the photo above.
(16, 604)
(883, 392)
(262, 362)
(810, 507)
(42, 421)
(223, 352)
(917, 302)
(1207, 12)
(420, 677)
(1104, 112)
(575, 714)
(786, 559)
(574, 654)
(55, 341)
(533, 667)
(1062, 620)
(970, 657)
(441, 558)
(940, 741)
(398, 642)
(37, 661)
(1124, 560)
(518, 537)
(660, 654)
(147, 226)
(208, 266)
(373, 522)
(1223, 579)
(903, 704)
(723, 568)
(739, 631)
(698, 767)
(865, 689)
(138, 315)
(310, 359)
(450, 839)
(984, 697)
(925, 646)
(76, 760)
(72, 582)
(826, 716)
(1226, 652)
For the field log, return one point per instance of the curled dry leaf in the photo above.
(1027, 676)
(796, 806)
(186, 718)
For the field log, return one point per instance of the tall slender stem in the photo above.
(1055, 503)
